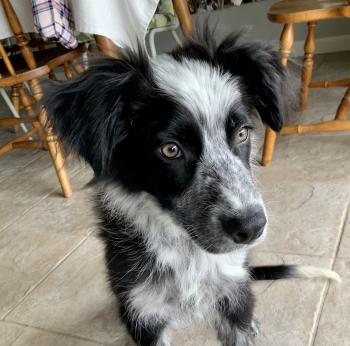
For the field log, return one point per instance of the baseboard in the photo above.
(325, 45)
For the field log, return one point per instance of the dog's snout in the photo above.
(244, 229)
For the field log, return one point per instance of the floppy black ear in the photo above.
(93, 113)
(261, 72)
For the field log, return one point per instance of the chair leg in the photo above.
(183, 13)
(151, 42)
(309, 49)
(269, 146)
(286, 43)
(15, 103)
(57, 158)
(344, 107)
(58, 162)
(176, 37)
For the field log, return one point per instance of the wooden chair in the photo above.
(293, 12)
(40, 135)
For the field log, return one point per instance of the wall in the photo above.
(331, 35)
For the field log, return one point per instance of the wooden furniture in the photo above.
(109, 48)
(293, 12)
(183, 13)
(40, 135)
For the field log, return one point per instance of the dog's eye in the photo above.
(171, 151)
(243, 134)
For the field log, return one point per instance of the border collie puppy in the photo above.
(169, 140)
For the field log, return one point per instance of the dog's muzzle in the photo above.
(244, 229)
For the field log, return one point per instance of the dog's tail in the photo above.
(277, 272)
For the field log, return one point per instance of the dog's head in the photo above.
(178, 127)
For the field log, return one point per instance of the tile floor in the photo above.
(53, 287)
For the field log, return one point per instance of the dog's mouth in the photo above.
(220, 243)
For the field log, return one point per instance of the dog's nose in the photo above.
(243, 230)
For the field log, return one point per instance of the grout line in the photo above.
(49, 331)
(325, 289)
(3, 228)
(40, 281)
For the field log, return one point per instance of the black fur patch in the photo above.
(272, 272)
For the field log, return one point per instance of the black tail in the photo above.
(277, 272)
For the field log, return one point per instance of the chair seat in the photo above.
(299, 11)
(41, 58)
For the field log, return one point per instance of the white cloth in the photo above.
(123, 21)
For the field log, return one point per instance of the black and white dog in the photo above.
(169, 142)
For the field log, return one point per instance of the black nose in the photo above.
(244, 230)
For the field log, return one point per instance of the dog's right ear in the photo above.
(94, 112)
(261, 73)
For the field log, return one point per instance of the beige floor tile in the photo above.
(304, 218)
(26, 256)
(31, 184)
(14, 161)
(307, 172)
(333, 66)
(74, 215)
(75, 299)
(195, 335)
(344, 249)
(306, 190)
(333, 328)
(286, 308)
(322, 105)
(313, 147)
(18, 159)
(15, 335)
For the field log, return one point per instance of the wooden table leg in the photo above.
(184, 15)
(286, 41)
(344, 107)
(309, 49)
(106, 46)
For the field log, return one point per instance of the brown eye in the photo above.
(171, 151)
(243, 134)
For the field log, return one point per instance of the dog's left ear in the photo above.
(261, 73)
(93, 114)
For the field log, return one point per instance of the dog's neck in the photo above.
(160, 232)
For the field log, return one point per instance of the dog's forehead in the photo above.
(207, 92)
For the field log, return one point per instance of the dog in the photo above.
(169, 140)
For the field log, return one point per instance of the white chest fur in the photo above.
(192, 283)
(191, 280)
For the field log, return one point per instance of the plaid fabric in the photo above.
(53, 20)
